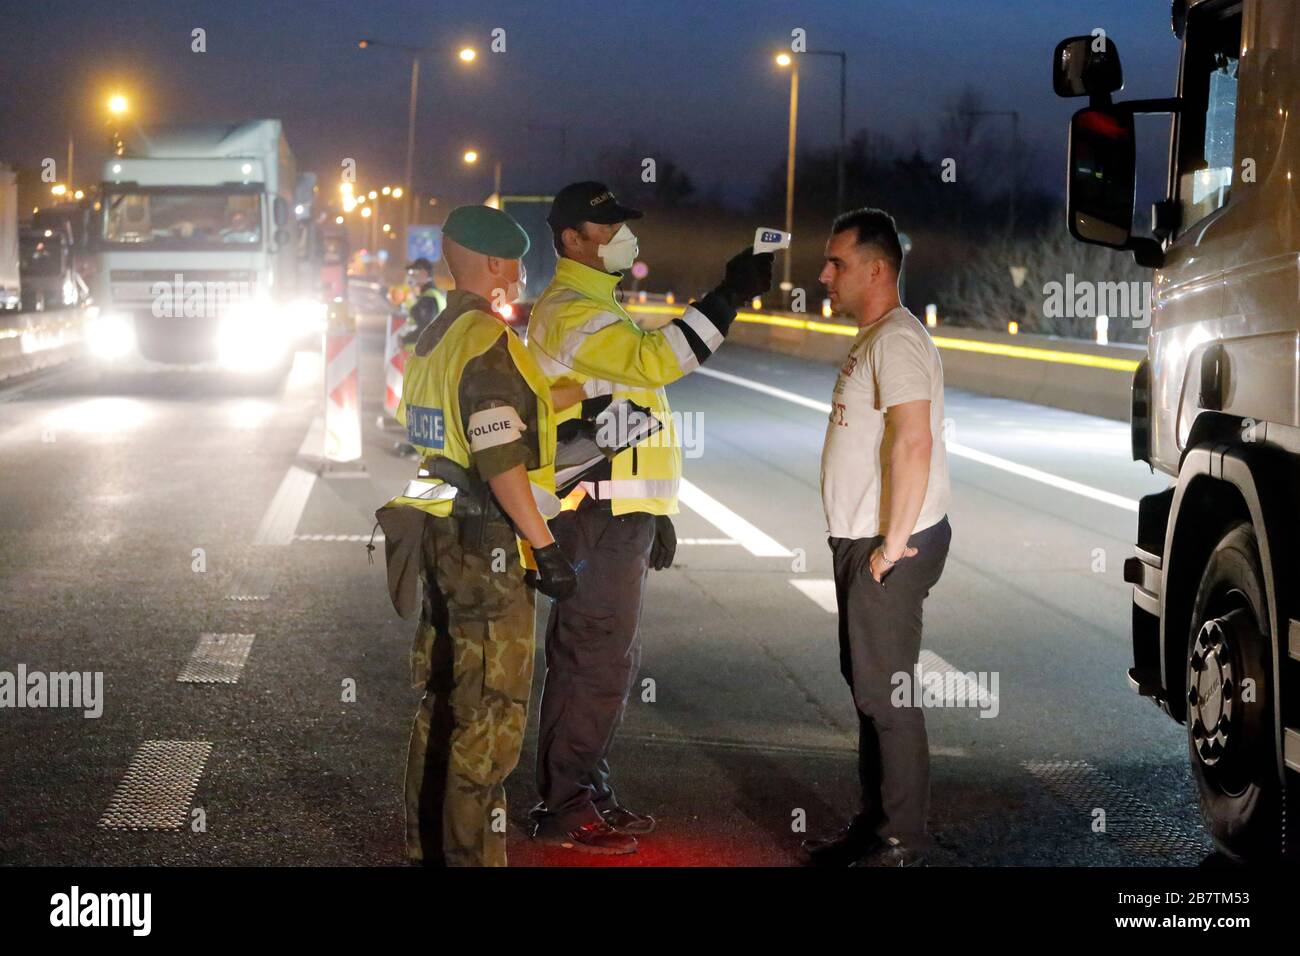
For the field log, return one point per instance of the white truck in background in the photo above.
(1216, 402)
(10, 284)
(202, 242)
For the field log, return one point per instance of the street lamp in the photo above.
(117, 107)
(471, 157)
(785, 60)
(415, 52)
(839, 172)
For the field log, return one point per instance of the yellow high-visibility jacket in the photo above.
(431, 411)
(578, 332)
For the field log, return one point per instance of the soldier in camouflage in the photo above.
(473, 651)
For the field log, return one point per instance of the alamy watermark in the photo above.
(946, 687)
(627, 425)
(1083, 299)
(179, 299)
(80, 690)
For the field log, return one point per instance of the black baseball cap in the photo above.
(420, 263)
(587, 202)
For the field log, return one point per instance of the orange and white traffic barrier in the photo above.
(342, 387)
(394, 364)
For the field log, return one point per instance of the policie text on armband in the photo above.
(424, 426)
(493, 426)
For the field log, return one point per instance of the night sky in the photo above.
(692, 78)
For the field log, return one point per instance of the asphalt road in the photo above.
(742, 731)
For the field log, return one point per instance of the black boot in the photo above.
(848, 845)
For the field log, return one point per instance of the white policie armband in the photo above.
(494, 426)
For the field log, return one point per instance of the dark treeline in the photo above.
(967, 229)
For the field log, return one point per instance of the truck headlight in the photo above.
(110, 336)
(252, 338)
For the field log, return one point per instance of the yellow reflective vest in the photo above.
(579, 332)
(430, 407)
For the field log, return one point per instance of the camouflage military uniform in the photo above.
(473, 651)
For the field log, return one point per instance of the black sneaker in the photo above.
(627, 821)
(843, 848)
(892, 853)
(596, 837)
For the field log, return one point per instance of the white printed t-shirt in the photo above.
(892, 361)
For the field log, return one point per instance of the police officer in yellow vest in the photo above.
(480, 413)
(427, 303)
(620, 529)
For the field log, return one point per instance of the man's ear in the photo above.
(494, 265)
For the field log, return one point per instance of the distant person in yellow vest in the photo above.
(621, 528)
(479, 411)
(427, 302)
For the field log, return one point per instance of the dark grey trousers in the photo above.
(593, 651)
(880, 636)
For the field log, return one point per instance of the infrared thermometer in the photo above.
(770, 240)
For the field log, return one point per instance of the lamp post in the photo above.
(471, 157)
(786, 60)
(466, 55)
(839, 171)
(117, 107)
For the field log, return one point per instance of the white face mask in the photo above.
(620, 252)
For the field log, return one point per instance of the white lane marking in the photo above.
(961, 451)
(254, 583)
(960, 688)
(1046, 478)
(379, 538)
(282, 515)
(821, 591)
(756, 542)
(217, 659)
(159, 786)
(704, 541)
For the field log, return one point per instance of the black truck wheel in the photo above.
(1230, 702)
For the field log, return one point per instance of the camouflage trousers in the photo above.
(473, 655)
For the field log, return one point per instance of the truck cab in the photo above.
(197, 242)
(1216, 402)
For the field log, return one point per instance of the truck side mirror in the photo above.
(1087, 66)
(280, 211)
(1102, 177)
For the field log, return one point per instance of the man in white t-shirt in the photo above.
(884, 480)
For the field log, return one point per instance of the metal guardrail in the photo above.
(1065, 373)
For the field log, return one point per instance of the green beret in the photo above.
(486, 230)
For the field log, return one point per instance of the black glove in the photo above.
(747, 275)
(665, 543)
(554, 576)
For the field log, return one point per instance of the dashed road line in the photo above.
(283, 513)
(821, 591)
(253, 583)
(756, 542)
(379, 538)
(217, 659)
(159, 786)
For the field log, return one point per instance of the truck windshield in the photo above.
(174, 219)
